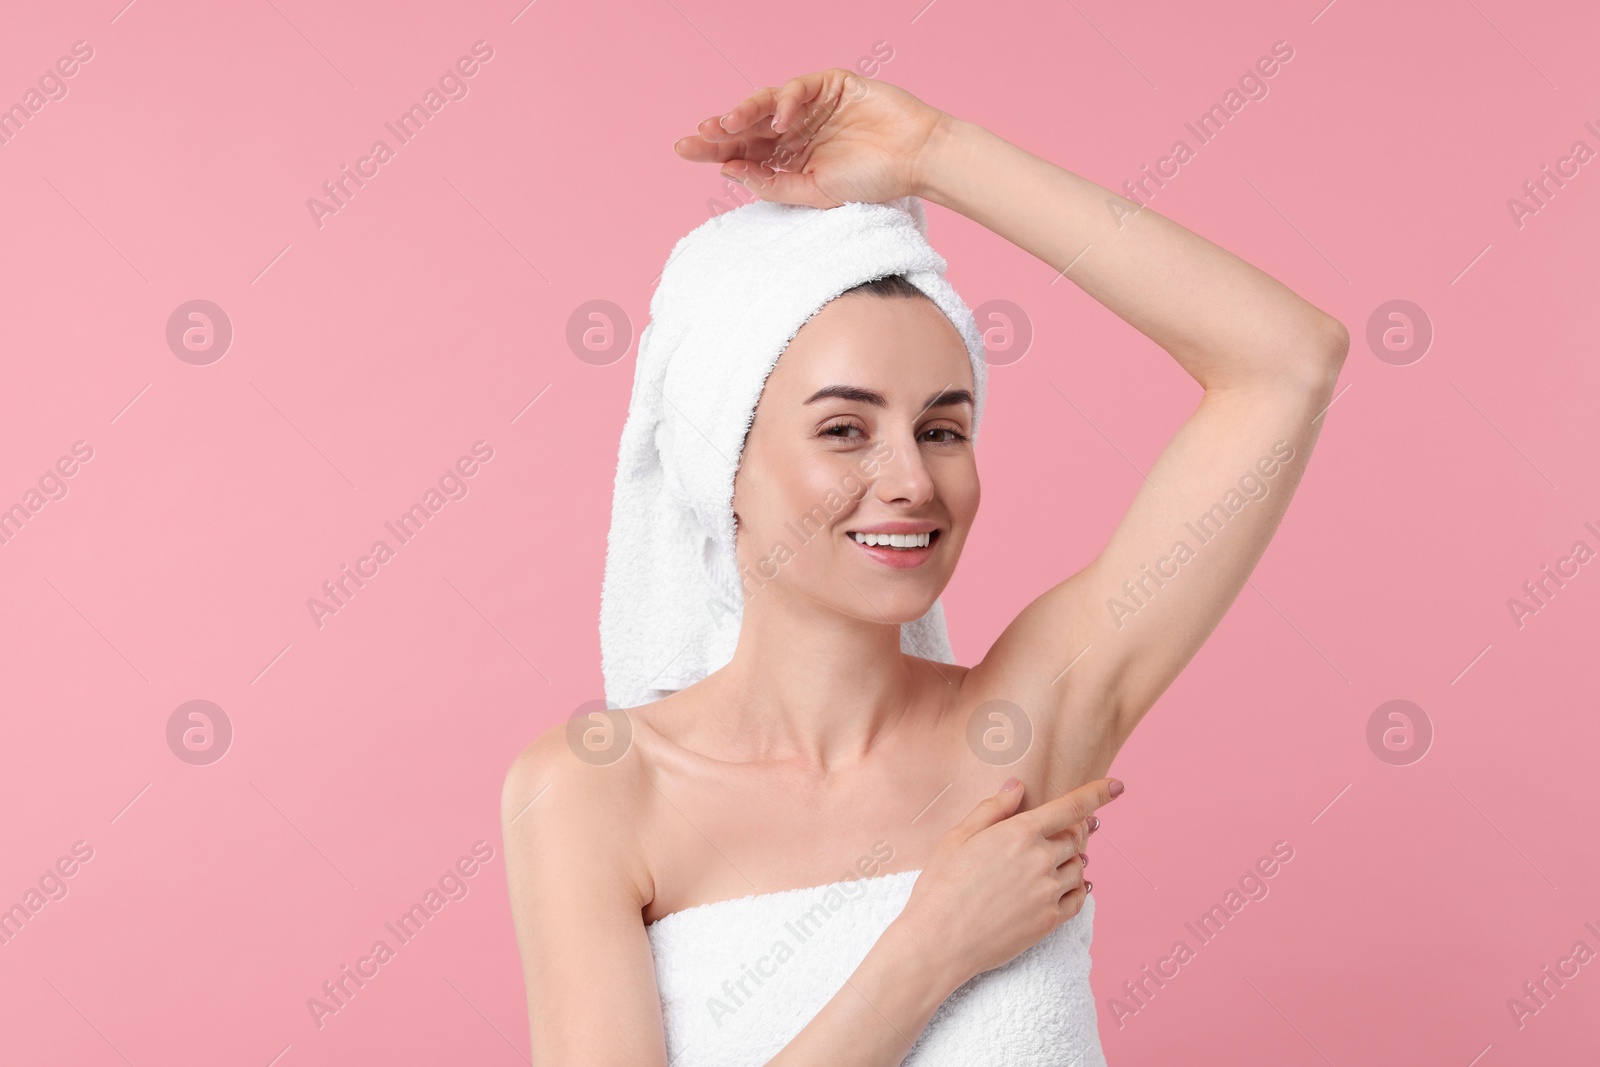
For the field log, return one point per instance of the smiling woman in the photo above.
(876, 368)
(806, 356)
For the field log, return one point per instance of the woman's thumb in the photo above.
(785, 187)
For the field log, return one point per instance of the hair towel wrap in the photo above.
(734, 292)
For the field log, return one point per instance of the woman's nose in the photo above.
(903, 475)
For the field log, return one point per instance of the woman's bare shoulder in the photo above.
(578, 884)
(574, 796)
(585, 761)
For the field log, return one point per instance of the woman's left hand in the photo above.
(822, 139)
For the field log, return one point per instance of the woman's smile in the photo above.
(901, 545)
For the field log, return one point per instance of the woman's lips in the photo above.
(898, 558)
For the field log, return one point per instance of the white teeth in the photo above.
(916, 540)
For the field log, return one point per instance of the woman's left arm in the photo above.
(1093, 653)
(1267, 359)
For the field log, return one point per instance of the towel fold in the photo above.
(733, 294)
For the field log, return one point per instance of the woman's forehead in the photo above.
(892, 345)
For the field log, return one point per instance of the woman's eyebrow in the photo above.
(944, 398)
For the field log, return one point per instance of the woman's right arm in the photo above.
(577, 892)
(997, 883)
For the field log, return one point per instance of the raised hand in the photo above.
(822, 139)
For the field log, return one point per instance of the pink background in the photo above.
(433, 309)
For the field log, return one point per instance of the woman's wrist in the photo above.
(921, 963)
(883, 1007)
(939, 166)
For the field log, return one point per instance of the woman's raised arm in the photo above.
(1129, 622)
(1267, 360)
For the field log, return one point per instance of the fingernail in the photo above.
(1094, 823)
(1010, 784)
(723, 122)
(1088, 887)
(1085, 857)
(1115, 788)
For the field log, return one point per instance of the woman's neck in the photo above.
(811, 686)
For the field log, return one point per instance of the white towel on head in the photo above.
(734, 292)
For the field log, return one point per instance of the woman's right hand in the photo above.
(999, 881)
(822, 139)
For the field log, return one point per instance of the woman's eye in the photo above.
(849, 431)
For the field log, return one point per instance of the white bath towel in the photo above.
(740, 978)
(735, 290)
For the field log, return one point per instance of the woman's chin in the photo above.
(898, 608)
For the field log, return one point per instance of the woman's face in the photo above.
(862, 427)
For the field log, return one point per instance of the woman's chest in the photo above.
(730, 833)
(715, 830)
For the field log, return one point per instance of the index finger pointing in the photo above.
(1072, 807)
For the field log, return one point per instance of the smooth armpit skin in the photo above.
(574, 876)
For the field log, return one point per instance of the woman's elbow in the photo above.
(1322, 358)
(1335, 343)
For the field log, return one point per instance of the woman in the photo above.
(821, 745)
